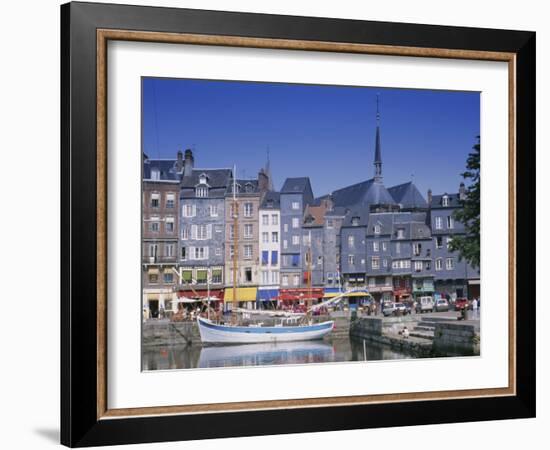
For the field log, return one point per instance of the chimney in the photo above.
(462, 192)
(328, 202)
(263, 181)
(188, 163)
(179, 161)
(429, 197)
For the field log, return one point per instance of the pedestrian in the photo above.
(405, 333)
(474, 304)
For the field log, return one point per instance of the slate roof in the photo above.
(385, 220)
(365, 193)
(244, 187)
(413, 224)
(408, 196)
(296, 185)
(362, 213)
(217, 179)
(167, 169)
(454, 201)
(272, 200)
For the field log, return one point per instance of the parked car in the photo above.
(425, 304)
(441, 305)
(461, 303)
(393, 309)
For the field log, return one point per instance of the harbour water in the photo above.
(196, 356)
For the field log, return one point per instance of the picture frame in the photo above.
(86, 418)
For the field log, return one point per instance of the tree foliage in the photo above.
(468, 245)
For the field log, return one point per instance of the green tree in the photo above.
(468, 245)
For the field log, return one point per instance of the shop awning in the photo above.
(351, 294)
(266, 295)
(247, 294)
(473, 282)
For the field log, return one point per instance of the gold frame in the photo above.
(103, 36)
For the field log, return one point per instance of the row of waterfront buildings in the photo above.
(290, 245)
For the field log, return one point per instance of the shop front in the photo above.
(299, 298)
(267, 298)
(243, 297)
(423, 287)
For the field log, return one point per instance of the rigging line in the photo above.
(155, 113)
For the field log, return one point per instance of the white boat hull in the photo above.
(226, 334)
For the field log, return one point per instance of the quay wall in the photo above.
(164, 332)
(456, 338)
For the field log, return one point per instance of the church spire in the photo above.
(377, 150)
(267, 171)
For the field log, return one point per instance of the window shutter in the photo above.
(205, 252)
(193, 231)
(194, 210)
(191, 253)
(209, 231)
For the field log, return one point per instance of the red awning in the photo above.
(300, 293)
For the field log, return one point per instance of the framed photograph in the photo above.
(276, 224)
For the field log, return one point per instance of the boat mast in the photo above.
(309, 273)
(235, 213)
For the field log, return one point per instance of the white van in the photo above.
(425, 304)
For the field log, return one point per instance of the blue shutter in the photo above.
(265, 257)
(274, 258)
(295, 260)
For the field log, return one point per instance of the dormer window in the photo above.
(355, 221)
(201, 191)
(377, 229)
(155, 174)
(445, 200)
(248, 187)
(203, 178)
(400, 233)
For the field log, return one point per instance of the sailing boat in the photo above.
(302, 329)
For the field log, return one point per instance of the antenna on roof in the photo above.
(378, 108)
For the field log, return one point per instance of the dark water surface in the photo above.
(335, 350)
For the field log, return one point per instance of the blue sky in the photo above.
(324, 132)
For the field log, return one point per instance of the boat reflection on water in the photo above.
(306, 352)
(266, 354)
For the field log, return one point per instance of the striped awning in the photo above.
(247, 294)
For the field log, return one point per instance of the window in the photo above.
(169, 225)
(187, 276)
(417, 248)
(248, 274)
(274, 219)
(217, 276)
(295, 222)
(295, 260)
(153, 278)
(275, 237)
(218, 251)
(274, 260)
(248, 231)
(450, 222)
(265, 237)
(265, 277)
(400, 233)
(375, 263)
(398, 247)
(285, 227)
(265, 257)
(275, 277)
(295, 240)
(319, 260)
(169, 250)
(168, 277)
(284, 280)
(231, 231)
(445, 200)
(201, 253)
(154, 226)
(384, 246)
(377, 229)
(155, 174)
(213, 210)
(295, 205)
(202, 231)
(184, 253)
(218, 228)
(248, 251)
(385, 262)
(170, 200)
(375, 246)
(330, 223)
(449, 240)
(185, 233)
(201, 191)
(152, 250)
(155, 200)
(438, 242)
(248, 209)
(189, 210)
(401, 264)
(351, 241)
(296, 280)
(372, 282)
(450, 264)
(306, 239)
(265, 219)
(355, 221)
(351, 260)
(285, 244)
(418, 266)
(438, 223)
